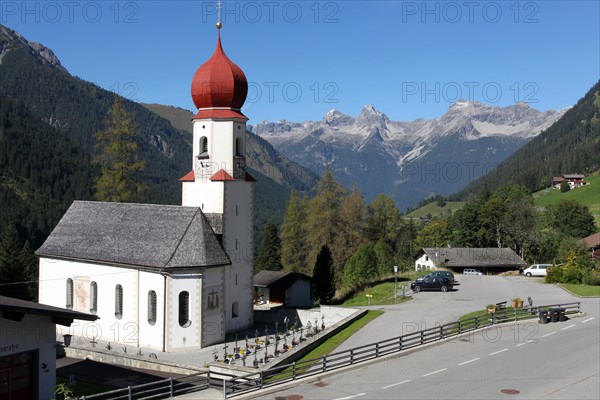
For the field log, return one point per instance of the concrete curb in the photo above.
(574, 294)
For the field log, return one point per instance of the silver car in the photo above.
(472, 271)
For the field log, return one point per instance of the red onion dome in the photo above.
(219, 87)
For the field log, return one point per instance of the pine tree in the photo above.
(28, 261)
(293, 236)
(269, 250)
(120, 178)
(12, 272)
(323, 277)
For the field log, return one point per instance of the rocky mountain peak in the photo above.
(11, 40)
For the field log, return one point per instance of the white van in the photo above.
(537, 270)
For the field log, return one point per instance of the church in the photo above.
(170, 278)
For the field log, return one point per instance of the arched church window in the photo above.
(184, 309)
(93, 298)
(119, 301)
(203, 147)
(152, 307)
(238, 147)
(234, 309)
(69, 294)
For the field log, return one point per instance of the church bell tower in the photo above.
(218, 183)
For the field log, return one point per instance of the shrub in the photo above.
(555, 274)
(590, 277)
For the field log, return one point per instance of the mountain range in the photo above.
(412, 160)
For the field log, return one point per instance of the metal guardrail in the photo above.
(241, 384)
(163, 389)
(235, 385)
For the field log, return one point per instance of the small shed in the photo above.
(290, 289)
(486, 259)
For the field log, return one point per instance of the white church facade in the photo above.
(170, 278)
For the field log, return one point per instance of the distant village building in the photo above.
(574, 180)
(28, 347)
(592, 243)
(290, 289)
(168, 277)
(487, 259)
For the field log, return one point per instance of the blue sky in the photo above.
(410, 59)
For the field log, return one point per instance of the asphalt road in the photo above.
(522, 361)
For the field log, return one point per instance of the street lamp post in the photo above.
(395, 282)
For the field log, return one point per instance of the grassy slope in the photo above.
(435, 210)
(587, 195)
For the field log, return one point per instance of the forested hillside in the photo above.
(571, 145)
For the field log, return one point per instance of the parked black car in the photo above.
(429, 282)
(441, 274)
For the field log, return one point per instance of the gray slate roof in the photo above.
(278, 279)
(474, 257)
(135, 235)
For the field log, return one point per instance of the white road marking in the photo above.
(548, 334)
(435, 372)
(522, 344)
(350, 397)
(586, 320)
(499, 351)
(470, 361)
(396, 384)
(567, 327)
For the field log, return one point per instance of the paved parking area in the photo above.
(432, 307)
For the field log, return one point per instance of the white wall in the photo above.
(184, 337)
(151, 335)
(238, 240)
(52, 291)
(213, 316)
(424, 262)
(34, 332)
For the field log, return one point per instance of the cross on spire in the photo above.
(219, 24)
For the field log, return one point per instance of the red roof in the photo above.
(219, 113)
(219, 82)
(189, 177)
(221, 176)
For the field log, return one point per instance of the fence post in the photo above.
(294, 371)
(400, 343)
(351, 356)
(171, 387)
(129, 392)
(224, 388)
(208, 379)
(476, 321)
(578, 307)
(515, 312)
(324, 363)
(459, 327)
(261, 379)
(376, 349)
(422, 337)
(441, 333)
